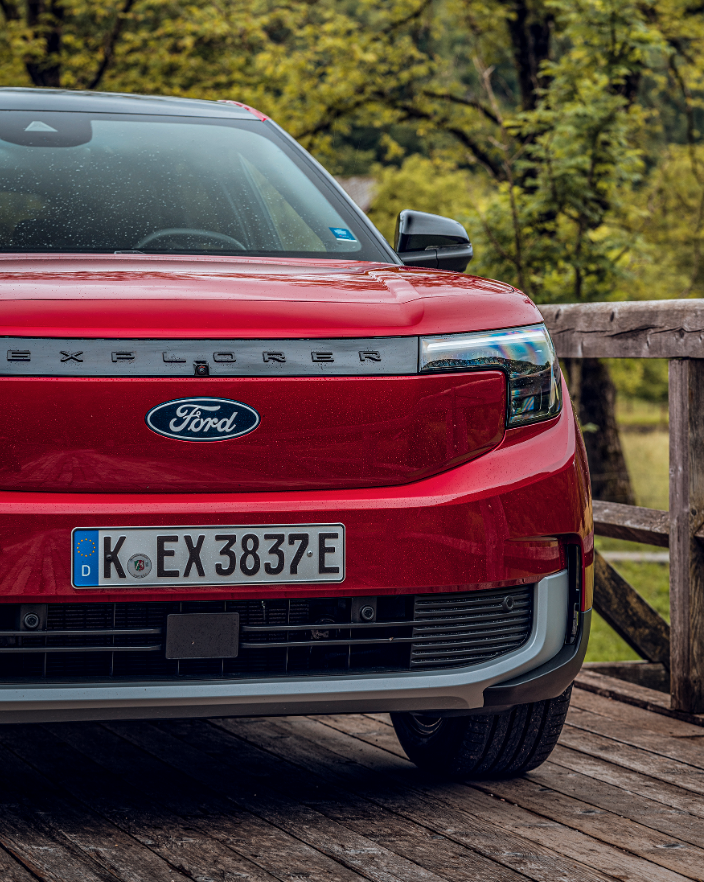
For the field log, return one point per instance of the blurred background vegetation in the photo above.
(565, 134)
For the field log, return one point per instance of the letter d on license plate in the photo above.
(140, 557)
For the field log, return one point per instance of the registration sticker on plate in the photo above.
(140, 557)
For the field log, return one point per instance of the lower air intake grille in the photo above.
(278, 638)
(466, 629)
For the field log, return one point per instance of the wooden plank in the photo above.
(130, 807)
(626, 834)
(187, 824)
(94, 839)
(12, 870)
(632, 329)
(382, 810)
(683, 802)
(43, 855)
(635, 716)
(640, 696)
(624, 803)
(630, 836)
(450, 810)
(684, 750)
(230, 774)
(634, 758)
(641, 673)
(633, 619)
(478, 806)
(538, 795)
(686, 397)
(375, 819)
(366, 728)
(631, 522)
(401, 801)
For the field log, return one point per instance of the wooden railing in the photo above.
(672, 329)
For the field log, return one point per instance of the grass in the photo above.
(639, 414)
(651, 580)
(647, 460)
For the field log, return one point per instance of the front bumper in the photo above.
(455, 692)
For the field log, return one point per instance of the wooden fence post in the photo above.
(686, 393)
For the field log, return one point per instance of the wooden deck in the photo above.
(332, 799)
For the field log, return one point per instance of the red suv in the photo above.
(254, 461)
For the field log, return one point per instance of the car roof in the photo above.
(116, 102)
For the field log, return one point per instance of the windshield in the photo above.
(81, 182)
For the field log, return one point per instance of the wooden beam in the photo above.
(643, 629)
(630, 522)
(648, 525)
(633, 329)
(686, 395)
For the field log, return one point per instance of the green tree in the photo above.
(563, 106)
(312, 65)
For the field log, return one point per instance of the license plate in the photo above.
(140, 557)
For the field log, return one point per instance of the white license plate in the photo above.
(140, 557)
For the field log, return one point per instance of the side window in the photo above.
(294, 232)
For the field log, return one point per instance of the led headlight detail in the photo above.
(526, 355)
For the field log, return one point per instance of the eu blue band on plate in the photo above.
(86, 558)
(342, 233)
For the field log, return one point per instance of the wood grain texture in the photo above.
(600, 768)
(668, 852)
(633, 329)
(683, 750)
(686, 397)
(333, 799)
(632, 523)
(631, 693)
(571, 778)
(126, 800)
(635, 716)
(370, 772)
(234, 775)
(516, 819)
(633, 619)
(670, 771)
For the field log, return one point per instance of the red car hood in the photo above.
(155, 296)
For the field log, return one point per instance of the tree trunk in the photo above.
(45, 18)
(594, 397)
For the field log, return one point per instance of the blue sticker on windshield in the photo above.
(342, 233)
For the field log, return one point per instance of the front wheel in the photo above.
(478, 746)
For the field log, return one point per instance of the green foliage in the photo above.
(309, 64)
(643, 378)
(545, 125)
(554, 105)
(652, 582)
(426, 185)
(667, 213)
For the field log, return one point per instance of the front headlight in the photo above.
(526, 355)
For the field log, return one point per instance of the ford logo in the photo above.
(202, 419)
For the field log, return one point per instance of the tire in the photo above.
(478, 746)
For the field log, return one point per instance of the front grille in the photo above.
(294, 637)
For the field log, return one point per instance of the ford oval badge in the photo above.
(202, 419)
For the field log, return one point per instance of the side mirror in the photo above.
(430, 240)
